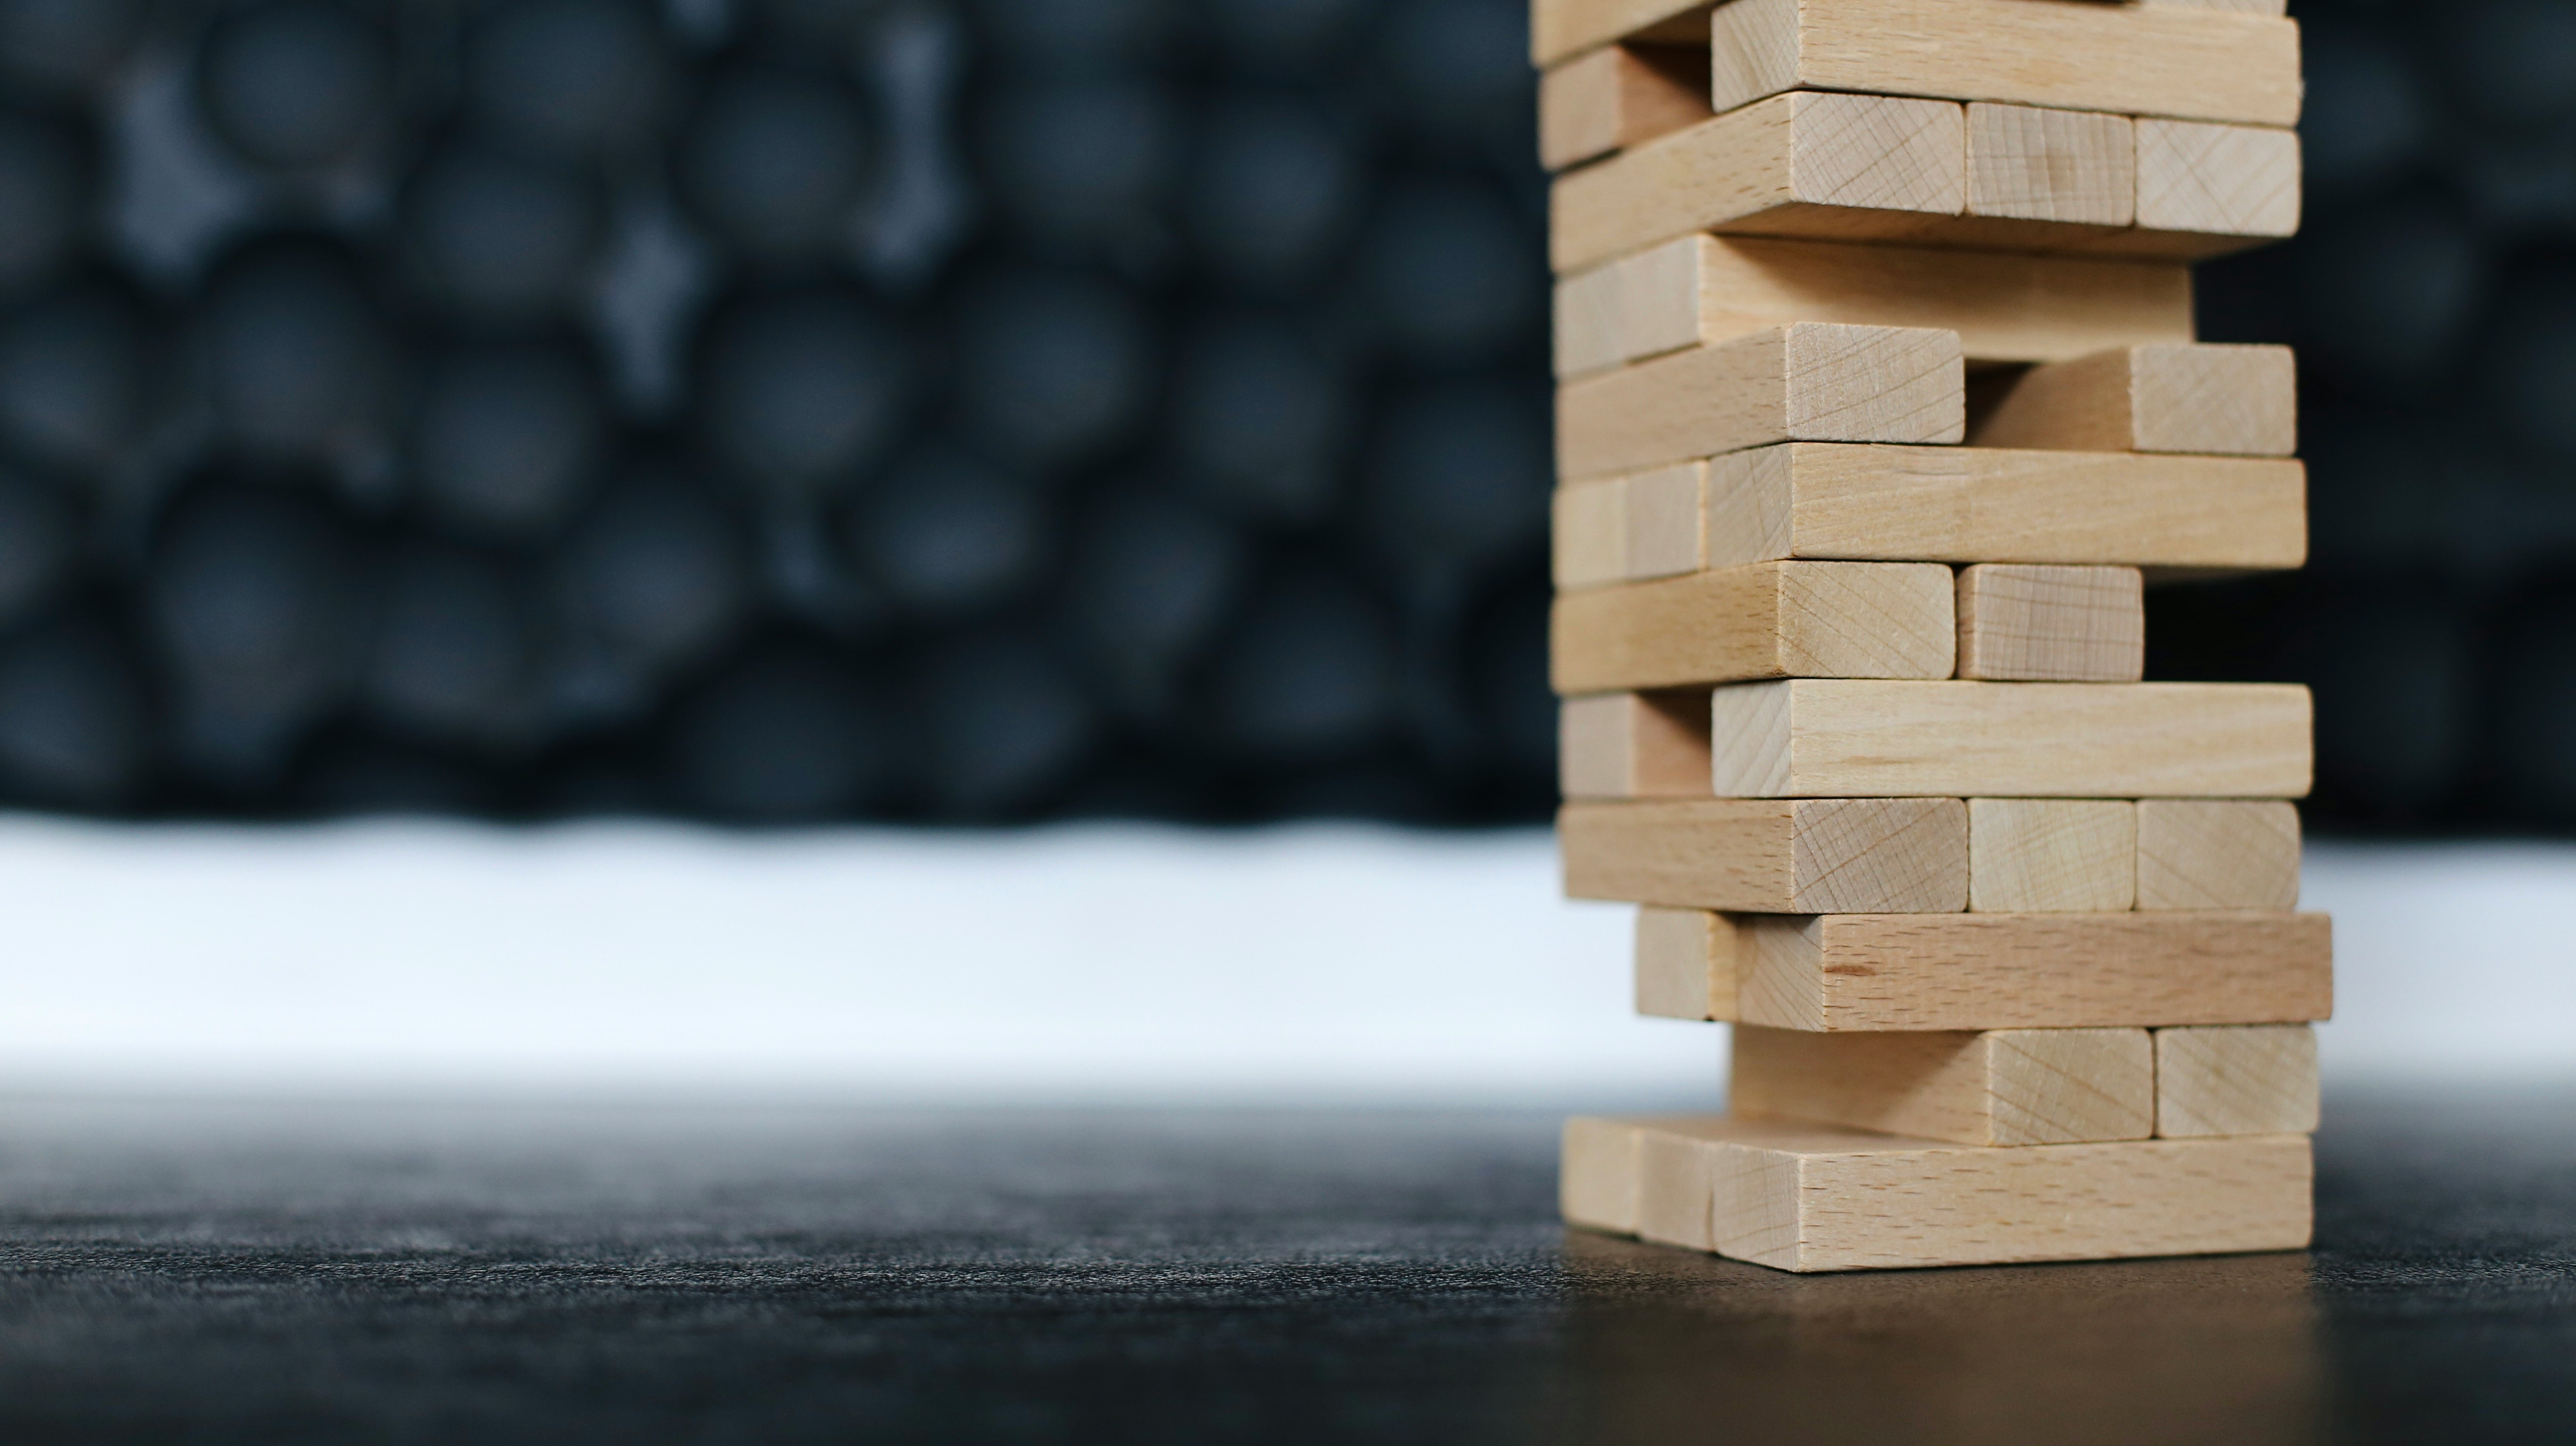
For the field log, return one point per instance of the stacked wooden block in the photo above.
(1880, 404)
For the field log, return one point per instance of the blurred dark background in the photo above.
(782, 410)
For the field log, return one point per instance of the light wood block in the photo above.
(1630, 528)
(1618, 97)
(1857, 738)
(1980, 504)
(2051, 855)
(1870, 973)
(1563, 29)
(2239, 400)
(1804, 1197)
(2200, 183)
(2029, 623)
(1812, 381)
(2217, 854)
(1767, 620)
(2036, 164)
(2246, 1080)
(1992, 1087)
(2189, 64)
(1809, 164)
(1752, 856)
(1598, 1172)
(1702, 290)
(1687, 962)
(1635, 745)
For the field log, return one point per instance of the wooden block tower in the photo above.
(1879, 404)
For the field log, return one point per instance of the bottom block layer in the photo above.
(1810, 1197)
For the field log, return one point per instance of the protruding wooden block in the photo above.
(1809, 381)
(1993, 1087)
(1810, 164)
(1618, 97)
(1687, 963)
(1869, 973)
(2217, 854)
(2240, 400)
(1634, 745)
(1597, 1173)
(1769, 620)
(2051, 855)
(1771, 856)
(1851, 738)
(2198, 184)
(2247, 1080)
(1977, 504)
(2035, 623)
(2036, 164)
(1701, 290)
(1815, 1198)
(2125, 59)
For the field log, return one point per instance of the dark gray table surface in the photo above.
(494, 1274)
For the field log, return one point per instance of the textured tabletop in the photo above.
(497, 1274)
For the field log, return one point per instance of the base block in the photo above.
(1816, 1198)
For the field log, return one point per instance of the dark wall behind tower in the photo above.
(808, 409)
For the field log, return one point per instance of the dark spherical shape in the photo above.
(1271, 190)
(2366, 116)
(1153, 576)
(567, 78)
(1453, 270)
(65, 47)
(1261, 419)
(295, 83)
(797, 390)
(48, 184)
(947, 533)
(296, 357)
(1461, 472)
(654, 576)
(1459, 68)
(73, 727)
(453, 657)
(2512, 62)
(498, 238)
(40, 540)
(775, 162)
(1054, 367)
(786, 735)
(1085, 158)
(1307, 673)
(2390, 295)
(1004, 725)
(1053, 34)
(506, 438)
(1282, 35)
(76, 380)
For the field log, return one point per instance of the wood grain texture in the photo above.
(1635, 745)
(1562, 29)
(2217, 854)
(2189, 64)
(2036, 164)
(1701, 290)
(1990, 1087)
(1868, 973)
(1802, 1197)
(2037, 623)
(1767, 620)
(2197, 181)
(1687, 963)
(1811, 381)
(1809, 164)
(2245, 1080)
(2234, 400)
(1856, 738)
(1981, 504)
(2050, 855)
(1597, 1173)
(1617, 97)
(1771, 856)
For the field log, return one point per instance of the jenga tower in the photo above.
(1879, 403)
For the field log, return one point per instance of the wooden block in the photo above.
(1629, 528)
(2189, 64)
(1701, 290)
(1635, 745)
(1869, 973)
(1804, 1197)
(1980, 504)
(1768, 620)
(2035, 164)
(2051, 855)
(2245, 1080)
(1991, 1087)
(2217, 854)
(1597, 1173)
(1812, 381)
(1809, 164)
(1563, 29)
(1618, 97)
(1687, 963)
(2200, 184)
(1861, 738)
(2034, 623)
(2239, 400)
(1753, 856)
